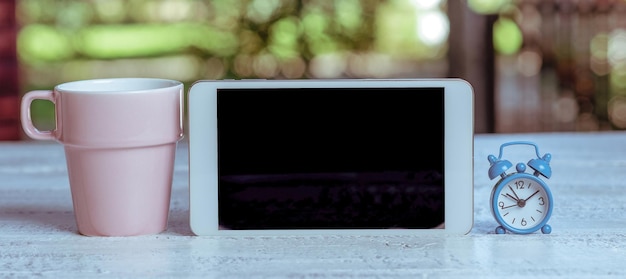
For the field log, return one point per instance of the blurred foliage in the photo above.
(555, 55)
(190, 40)
(283, 36)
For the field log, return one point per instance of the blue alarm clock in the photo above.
(521, 202)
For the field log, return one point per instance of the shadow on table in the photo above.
(178, 223)
(37, 219)
(41, 219)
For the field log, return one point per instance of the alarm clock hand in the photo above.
(511, 197)
(516, 197)
(505, 207)
(532, 195)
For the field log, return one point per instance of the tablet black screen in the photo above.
(341, 158)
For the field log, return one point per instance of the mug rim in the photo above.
(118, 85)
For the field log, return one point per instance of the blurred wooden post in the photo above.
(9, 83)
(471, 57)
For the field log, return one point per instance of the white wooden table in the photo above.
(38, 236)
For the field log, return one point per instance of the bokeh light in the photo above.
(618, 77)
(426, 4)
(433, 28)
(261, 11)
(616, 48)
(587, 122)
(349, 16)
(265, 65)
(617, 111)
(124, 41)
(293, 68)
(411, 30)
(565, 109)
(598, 60)
(331, 65)
(57, 45)
(529, 62)
(507, 36)
(110, 10)
(283, 38)
(375, 65)
(487, 6)
(598, 46)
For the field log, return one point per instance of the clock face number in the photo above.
(523, 203)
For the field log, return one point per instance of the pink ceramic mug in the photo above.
(120, 139)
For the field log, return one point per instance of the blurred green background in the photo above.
(191, 40)
(536, 65)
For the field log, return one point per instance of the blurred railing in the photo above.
(9, 83)
(561, 66)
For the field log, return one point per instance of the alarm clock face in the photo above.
(522, 203)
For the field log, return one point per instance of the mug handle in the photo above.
(27, 122)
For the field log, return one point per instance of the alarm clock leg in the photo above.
(546, 229)
(500, 230)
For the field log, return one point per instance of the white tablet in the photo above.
(302, 157)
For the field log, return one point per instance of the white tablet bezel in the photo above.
(458, 172)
